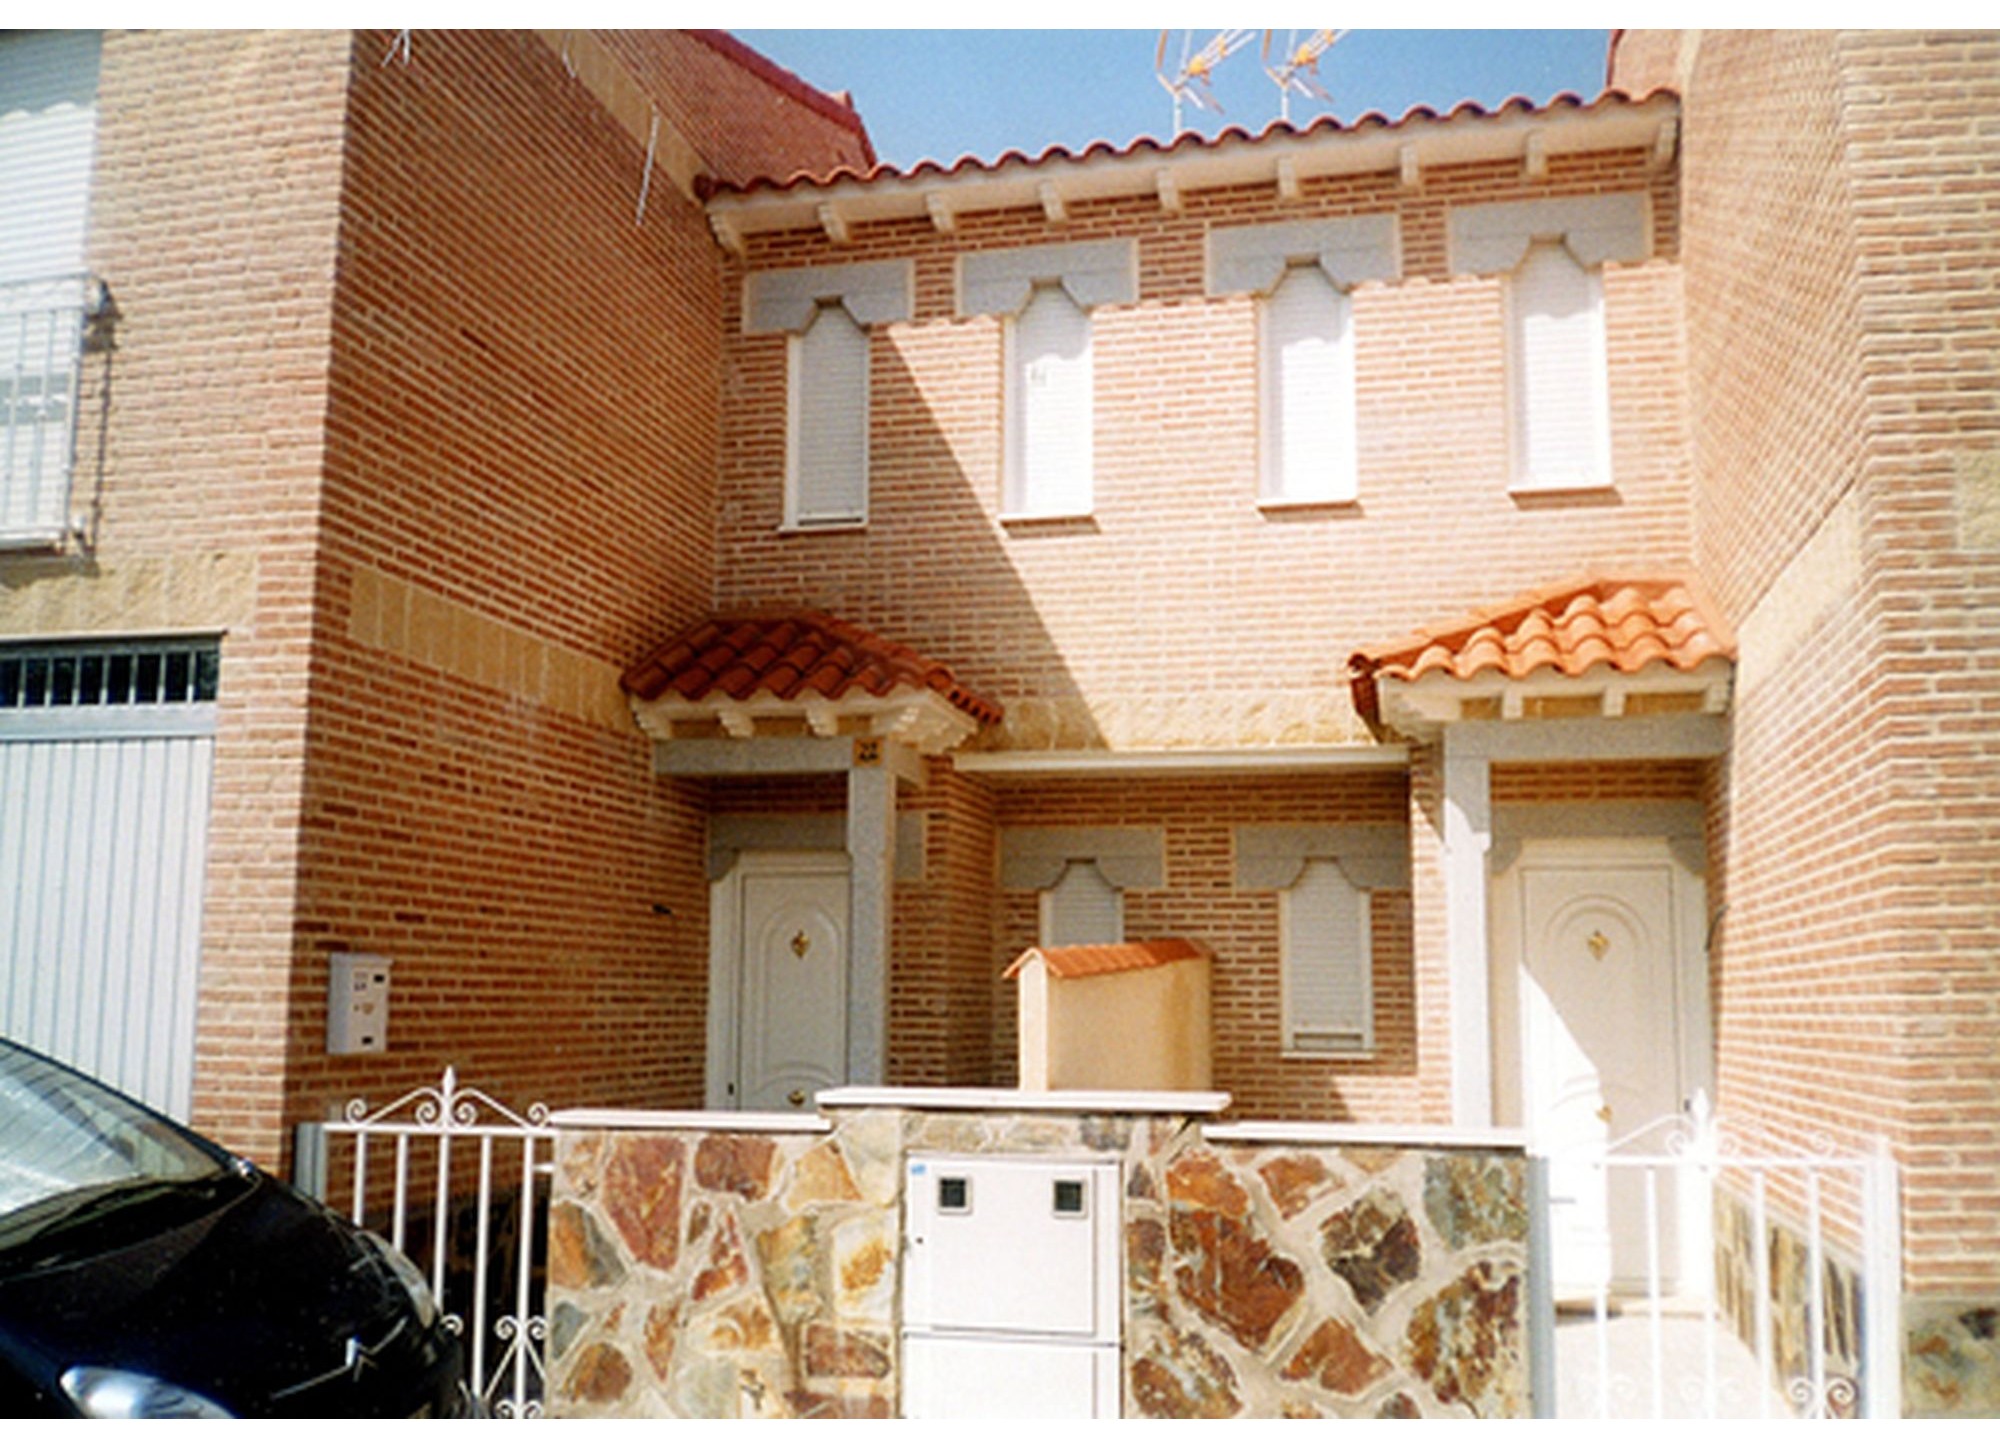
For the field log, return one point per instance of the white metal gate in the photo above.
(460, 1183)
(1788, 1303)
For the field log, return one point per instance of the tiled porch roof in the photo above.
(1068, 962)
(1622, 625)
(793, 656)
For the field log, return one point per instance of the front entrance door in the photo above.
(780, 986)
(1596, 993)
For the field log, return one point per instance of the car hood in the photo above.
(233, 1286)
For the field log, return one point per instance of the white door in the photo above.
(1595, 985)
(783, 996)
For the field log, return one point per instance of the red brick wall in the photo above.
(214, 202)
(1200, 901)
(745, 114)
(1841, 324)
(1180, 590)
(521, 444)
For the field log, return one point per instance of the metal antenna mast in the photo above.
(1194, 79)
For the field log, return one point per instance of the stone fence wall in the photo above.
(709, 1265)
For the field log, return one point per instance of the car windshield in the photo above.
(64, 1136)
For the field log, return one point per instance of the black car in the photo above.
(148, 1273)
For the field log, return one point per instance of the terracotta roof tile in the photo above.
(1188, 142)
(1583, 624)
(1068, 962)
(792, 656)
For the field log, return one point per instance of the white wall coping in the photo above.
(941, 1098)
(1131, 1103)
(1355, 1133)
(588, 1118)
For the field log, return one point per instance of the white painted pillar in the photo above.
(871, 857)
(1468, 839)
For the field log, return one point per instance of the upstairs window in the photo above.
(826, 438)
(1046, 297)
(48, 128)
(1301, 274)
(1557, 374)
(1050, 409)
(826, 315)
(1306, 388)
(1550, 254)
(1329, 995)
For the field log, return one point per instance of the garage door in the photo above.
(106, 752)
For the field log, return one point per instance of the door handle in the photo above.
(797, 1098)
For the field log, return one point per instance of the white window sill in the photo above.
(1532, 489)
(837, 525)
(1352, 1058)
(1295, 505)
(1047, 517)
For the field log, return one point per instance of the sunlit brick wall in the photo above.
(1181, 613)
(1839, 254)
(520, 464)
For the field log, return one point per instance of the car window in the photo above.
(60, 1132)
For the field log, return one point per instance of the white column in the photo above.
(871, 856)
(1468, 838)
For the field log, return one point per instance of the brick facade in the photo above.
(1839, 251)
(414, 405)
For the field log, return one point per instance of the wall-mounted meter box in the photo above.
(357, 1004)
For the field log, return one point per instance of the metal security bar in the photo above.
(1705, 1280)
(110, 675)
(42, 325)
(459, 1183)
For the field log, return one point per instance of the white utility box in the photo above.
(1013, 1288)
(357, 1004)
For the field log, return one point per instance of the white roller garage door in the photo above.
(106, 753)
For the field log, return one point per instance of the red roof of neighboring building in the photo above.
(838, 108)
(1621, 624)
(1068, 962)
(792, 656)
(1187, 141)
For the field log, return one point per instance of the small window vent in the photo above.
(95, 676)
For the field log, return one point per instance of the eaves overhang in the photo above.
(1282, 156)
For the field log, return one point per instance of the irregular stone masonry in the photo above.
(695, 1273)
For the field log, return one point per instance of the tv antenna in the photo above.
(1194, 80)
(1298, 68)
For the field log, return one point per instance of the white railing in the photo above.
(1661, 1316)
(444, 1155)
(41, 347)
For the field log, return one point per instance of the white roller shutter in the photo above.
(1083, 908)
(829, 424)
(1307, 390)
(1562, 428)
(48, 129)
(1049, 408)
(103, 842)
(1329, 995)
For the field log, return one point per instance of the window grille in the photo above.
(95, 676)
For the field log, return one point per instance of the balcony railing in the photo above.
(42, 324)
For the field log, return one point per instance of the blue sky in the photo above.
(945, 93)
